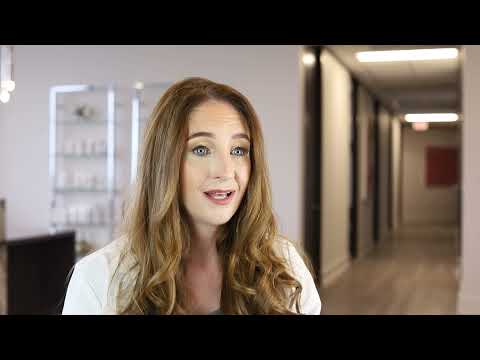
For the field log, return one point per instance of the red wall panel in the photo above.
(441, 166)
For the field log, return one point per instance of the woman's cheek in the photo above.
(196, 163)
(244, 174)
(193, 174)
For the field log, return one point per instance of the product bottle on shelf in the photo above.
(101, 147)
(62, 179)
(83, 147)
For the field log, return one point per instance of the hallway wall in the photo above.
(384, 177)
(365, 119)
(396, 172)
(469, 294)
(422, 204)
(336, 120)
(336, 172)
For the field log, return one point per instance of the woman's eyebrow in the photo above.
(241, 136)
(211, 135)
(201, 133)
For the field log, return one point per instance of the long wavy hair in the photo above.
(256, 278)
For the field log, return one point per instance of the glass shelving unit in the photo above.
(94, 145)
(82, 163)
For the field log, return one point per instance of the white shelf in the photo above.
(82, 190)
(86, 123)
(75, 156)
(79, 225)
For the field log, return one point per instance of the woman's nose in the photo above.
(222, 166)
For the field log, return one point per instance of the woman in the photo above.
(200, 235)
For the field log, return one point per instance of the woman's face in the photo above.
(216, 164)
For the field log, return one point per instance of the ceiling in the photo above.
(420, 86)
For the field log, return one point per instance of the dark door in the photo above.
(313, 166)
(354, 161)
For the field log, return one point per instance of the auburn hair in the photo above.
(256, 278)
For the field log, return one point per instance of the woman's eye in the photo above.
(239, 151)
(200, 150)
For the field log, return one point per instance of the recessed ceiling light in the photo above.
(435, 117)
(407, 55)
(308, 59)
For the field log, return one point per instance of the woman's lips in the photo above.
(218, 201)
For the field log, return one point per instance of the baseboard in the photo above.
(332, 274)
(468, 304)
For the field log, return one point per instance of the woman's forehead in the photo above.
(216, 116)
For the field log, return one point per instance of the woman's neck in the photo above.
(203, 247)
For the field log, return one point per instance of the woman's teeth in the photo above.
(219, 196)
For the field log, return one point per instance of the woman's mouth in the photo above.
(220, 197)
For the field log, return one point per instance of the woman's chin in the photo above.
(218, 220)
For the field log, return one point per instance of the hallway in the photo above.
(413, 273)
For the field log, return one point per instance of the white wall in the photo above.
(469, 294)
(268, 75)
(2, 219)
(422, 204)
(336, 118)
(365, 119)
(396, 171)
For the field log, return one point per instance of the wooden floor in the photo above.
(412, 273)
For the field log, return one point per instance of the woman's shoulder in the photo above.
(293, 254)
(103, 259)
(88, 289)
(289, 250)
